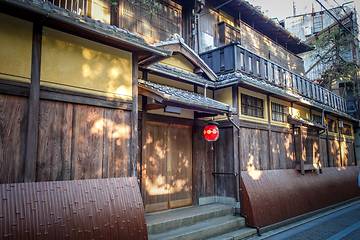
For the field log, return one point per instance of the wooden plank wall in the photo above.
(203, 165)
(224, 158)
(283, 148)
(254, 150)
(323, 152)
(74, 141)
(13, 125)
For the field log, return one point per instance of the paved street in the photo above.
(340, 223)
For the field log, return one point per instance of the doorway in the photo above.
(168, 166)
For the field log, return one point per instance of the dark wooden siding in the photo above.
(13, 121)
(203, 165)
(74, 141)
(224, 158)
(282, 149)
(254, 150)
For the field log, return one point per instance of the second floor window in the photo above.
(331, 125)
(279, 112)
(346, 129)
(317, 118)
(252, 106)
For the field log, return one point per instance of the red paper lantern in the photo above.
(211, 133)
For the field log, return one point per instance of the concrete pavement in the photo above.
(339, 223)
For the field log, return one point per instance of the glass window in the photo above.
(279, 112)
(331, 125)
(317, 119)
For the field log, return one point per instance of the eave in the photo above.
(178, 46)
(267, 26)
(51, 16)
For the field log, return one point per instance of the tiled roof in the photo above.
(238, 77)
(190, 50)
(307, 122)
(187, 98)
(178, 73)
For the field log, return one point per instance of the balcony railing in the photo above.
(75, 6)
(234, 57)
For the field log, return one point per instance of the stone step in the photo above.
(202, 230)
(242, 233)
(171, 219)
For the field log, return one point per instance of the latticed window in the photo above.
(331, 125)
(279, 112)
(252, 106)
(346, 129)
(317, 118)
(159, 25)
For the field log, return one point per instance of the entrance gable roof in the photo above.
(170, 96)
(178, 46)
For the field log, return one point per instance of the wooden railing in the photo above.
(75, 6)
(234, 57)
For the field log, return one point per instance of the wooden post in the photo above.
(269, 132)
(33, 106)
(235, 102)
(341, 158)
(302, 158)
(134, 116)
(143, 148)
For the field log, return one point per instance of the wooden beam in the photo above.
(33, 105)
(269, 132)
(147, 93)
(143, 149)
(236, 139)
(134, 117)
(152, 106)
(302, 158)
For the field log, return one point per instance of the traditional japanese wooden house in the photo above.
(284, 141)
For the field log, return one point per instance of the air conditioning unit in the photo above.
(341, 124)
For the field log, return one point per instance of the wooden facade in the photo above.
(76, 106)
(68, 103)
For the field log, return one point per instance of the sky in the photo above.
(284, 8)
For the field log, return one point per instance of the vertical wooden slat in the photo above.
(143, 147)
(134, 115)
(303, 155)
(269, 131)
(33, 105)
(236, 134)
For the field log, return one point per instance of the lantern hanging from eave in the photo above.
(211, 133)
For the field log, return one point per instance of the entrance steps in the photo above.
(211, 221)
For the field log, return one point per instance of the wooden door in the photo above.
(180, 153)
(168, 166)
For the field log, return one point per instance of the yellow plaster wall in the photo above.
(224, 95)
(77, 64)
(100, 10)
(209, 93)
(171, 83)
(257, 95)
(225, 17)
(179, 61)
(15, 48)
(299, 111)
(185, 113)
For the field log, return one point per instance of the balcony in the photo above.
(75, 6)
(233, 57)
